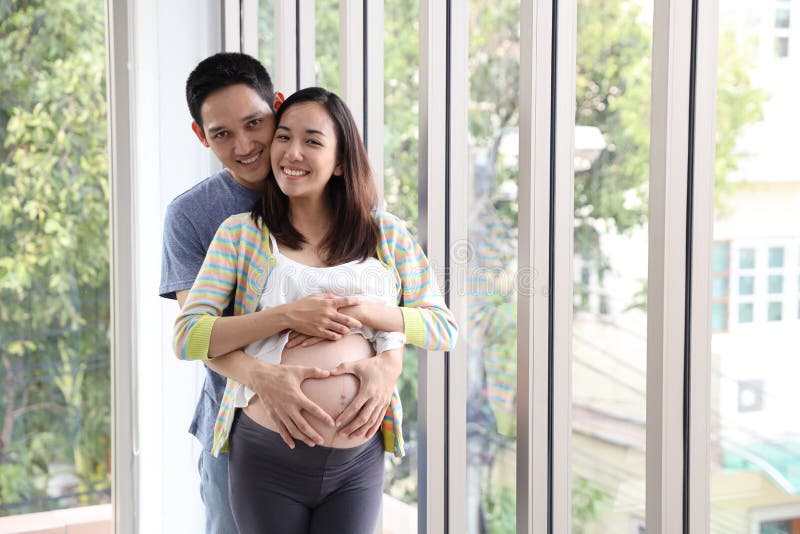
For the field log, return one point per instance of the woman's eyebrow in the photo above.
(309, 131)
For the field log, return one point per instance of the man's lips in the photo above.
(252, 159)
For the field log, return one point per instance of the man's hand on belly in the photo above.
(377, 377)
(278, 390)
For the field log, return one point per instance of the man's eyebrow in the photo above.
(252, 116)
(246, 118)
(213, 129)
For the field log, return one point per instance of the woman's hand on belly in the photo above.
(281, 405)
(332, 394)
(377, 377)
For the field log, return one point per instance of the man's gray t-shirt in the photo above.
(191, 221)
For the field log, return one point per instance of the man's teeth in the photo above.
(293, 172)
(250, 160)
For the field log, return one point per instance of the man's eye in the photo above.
(220, 135)
(256, 122)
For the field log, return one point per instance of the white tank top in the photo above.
(291, 281)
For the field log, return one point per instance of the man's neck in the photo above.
(258, 188)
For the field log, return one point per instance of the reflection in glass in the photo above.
(491, 330)
(55, 423)
(609, 343)
(755, 435)
(401, 171)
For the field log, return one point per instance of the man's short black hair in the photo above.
(222, 70)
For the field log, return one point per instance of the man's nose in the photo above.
(244, 145)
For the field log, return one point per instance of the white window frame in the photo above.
(124, 393)
(543, 459)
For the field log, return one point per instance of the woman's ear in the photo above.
(337, 171)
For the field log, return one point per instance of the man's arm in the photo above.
(277, 387)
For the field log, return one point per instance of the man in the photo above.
(231, 101)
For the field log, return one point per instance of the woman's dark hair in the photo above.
(351, 196)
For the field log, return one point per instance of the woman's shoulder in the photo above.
(239, 223)
(237, 227)
(391, 226)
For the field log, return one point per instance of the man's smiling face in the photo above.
(238, 127)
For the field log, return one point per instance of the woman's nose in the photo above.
(293, 152)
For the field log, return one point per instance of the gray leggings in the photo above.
(308, 490)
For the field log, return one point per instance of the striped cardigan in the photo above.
(238, 265)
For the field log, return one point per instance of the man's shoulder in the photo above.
(199, 194)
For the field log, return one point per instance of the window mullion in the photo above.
(432, 224)
(285, 75)
(351, 57)
(667, 257)
(702, 240)
(566, 25)
(533, 315)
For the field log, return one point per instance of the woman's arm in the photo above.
(422, 315)
(317, 315)
(201, 332)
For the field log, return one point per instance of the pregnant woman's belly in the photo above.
(332, 394)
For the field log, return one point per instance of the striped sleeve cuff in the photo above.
(200, 338)
(414, 327)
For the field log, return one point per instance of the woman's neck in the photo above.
(312, 218)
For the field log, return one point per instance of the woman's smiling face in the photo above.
(303, 152)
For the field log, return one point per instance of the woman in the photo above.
(315, 230)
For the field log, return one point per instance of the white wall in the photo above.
(168, 39)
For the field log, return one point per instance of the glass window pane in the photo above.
(746, 312)
(54, 272)
(756, 452)
(266, 38)
(775, 283)
(719, 317)
(782, 18)
(326, 44)
(609, 336)
(401, 169)
(719, 286)
(776, 256)
(720, 260)
(774, 311)
(781, 46)
(746, 285)
(491, 333)
(747, 258)
(776, 527)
